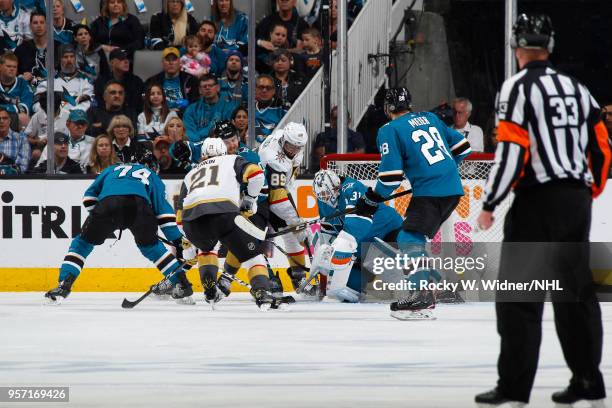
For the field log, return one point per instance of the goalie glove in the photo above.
(248, 205)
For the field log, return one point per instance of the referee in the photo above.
(554, 150)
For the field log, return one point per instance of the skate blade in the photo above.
(510, 404)
(283, 307)
(50, 302)
(413, 315)
(185, 301)
(600, 403)
(264, 307)
(160, 298)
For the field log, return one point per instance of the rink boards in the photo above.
(38, 218)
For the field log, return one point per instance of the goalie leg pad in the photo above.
(344, 294)
(75, 258)
(321, 261)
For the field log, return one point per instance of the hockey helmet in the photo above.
(397, 100)
(212, 147)
(293, 139)
(326, 186)
(147, 159)
(533, 31)
(224, 129)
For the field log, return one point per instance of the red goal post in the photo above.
(461, 225)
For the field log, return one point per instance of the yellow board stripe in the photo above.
(104, 279)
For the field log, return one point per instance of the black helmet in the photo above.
(147, 159)
(224, 129)
(533, 31)
(397, 100)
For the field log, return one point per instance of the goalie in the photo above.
(340, 260)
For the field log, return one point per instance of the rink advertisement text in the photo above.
(468, 285)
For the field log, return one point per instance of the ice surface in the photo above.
(317, 355)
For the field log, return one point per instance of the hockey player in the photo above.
(281, 156)
(340, 260)
(209, 209)
(422, 148)
(128, 196)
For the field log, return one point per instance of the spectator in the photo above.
(288, 16)
(77, 91)
(462, 109)
(113, 105)
(15, 92)
(33, 5)
(63, 28)
(207, 32)
(195, 61)
(120, 72)
(312, 58)
(63, 163)
(277, 40)
(233, 26)
(327, 141)
(240, 119)
(79, 144)
(180, 88)
(156, 114)
(267, 113)
(606, 116)
(126, 147)
(32, 53)
(161, 150)
(102, 155)
(36, 130)
(14, 146)
(169, 27)
(233, 84)
(175, 130)
(91, 58)
(200, 116)
(289, 84)
(14, 24)
(116, 28)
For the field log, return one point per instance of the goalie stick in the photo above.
(306, 224)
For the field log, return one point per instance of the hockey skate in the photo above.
(568, 397)
(162, 291)
(57, 295)
(309, 289)
(182, 291)
(417, 306)
(448, 296)
(224, 287)
(494, 398)
(276, 286)
(265, 301)
(212, 294)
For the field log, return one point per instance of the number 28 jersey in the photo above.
(213, 186)
(419, 146)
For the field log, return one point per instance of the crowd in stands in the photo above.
(104, 113)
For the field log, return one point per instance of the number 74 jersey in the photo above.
(419, 146)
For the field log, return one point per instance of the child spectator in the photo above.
(312, 58)
(102, 155)
(156, 114)
(195, 61)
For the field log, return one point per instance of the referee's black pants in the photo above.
(552, 212)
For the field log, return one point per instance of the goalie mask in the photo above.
(294, 139)
(212, 147)
(326, 186)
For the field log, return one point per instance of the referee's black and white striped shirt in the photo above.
(549, 129)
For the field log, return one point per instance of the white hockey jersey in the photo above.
(14, 29)
(280, 172)
(213, 186)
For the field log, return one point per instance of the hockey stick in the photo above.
(306, 224)
(127, 304)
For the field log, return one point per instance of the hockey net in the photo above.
(461, 225)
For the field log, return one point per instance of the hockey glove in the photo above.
(181, 152)
(368, 203)
(178, 245)
(248, 205)
(305, 235)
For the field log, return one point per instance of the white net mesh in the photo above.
(461, 225)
